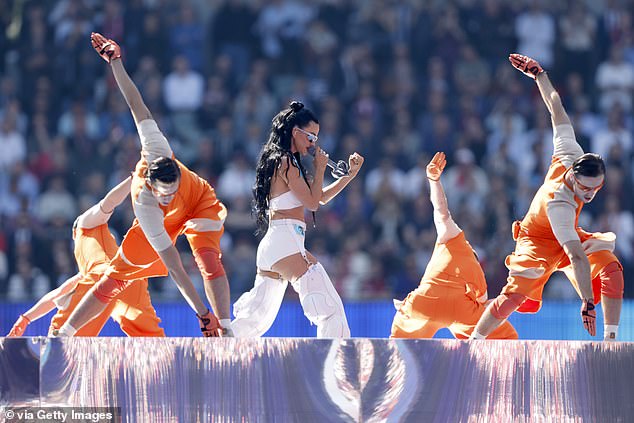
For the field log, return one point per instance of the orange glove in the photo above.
(209, 324)
(436, 166)
(19, 326)
(107, 49)
(526, 65)
(589, 316)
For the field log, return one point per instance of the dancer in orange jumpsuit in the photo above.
(548, 238)
(168, 200)
(94, 248)
(453, 291)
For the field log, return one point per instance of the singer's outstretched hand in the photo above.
(354, 163)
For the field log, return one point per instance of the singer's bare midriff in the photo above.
(296, 213)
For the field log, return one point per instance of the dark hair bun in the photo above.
(296, 106)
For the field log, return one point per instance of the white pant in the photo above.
(256, 310)
(284, 238)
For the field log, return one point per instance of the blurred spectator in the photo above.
(280, 25)
(77, 117)
(242, 273)
(183, 91)
(614, 133)
(13, 110)
(418, 231)
(615, 21)
(357, 272)
(56, 202)
(504, 118)
(329, 131)
(492, 29)
(94, 188)
(436, 104)
(621, 222)
(237, 179)
(535, 31)
(441, 137)
(435, 79)
(471, 73)
(187, 37)
(416, 179)
(385, 180)
(19, 190)
(231, 34)
(410, 140)
(578, 30)
(214, 102)
(532, 151)
(467, 184)
(34, 59)
(153, 40)
(112, 21)
(615, 80)
(448, 34)
(320, 39)
(116, 117)
(577, 101)
(27, 282)
(254, 103)
(68, 17)
(627, 41)
(473, 137)
(183, 87)
(12, 144)
(81, 129)
(224, 138)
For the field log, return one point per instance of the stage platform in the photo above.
(311, 380)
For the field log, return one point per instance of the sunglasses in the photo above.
(585, 188)
(161, 191)
(311, 137)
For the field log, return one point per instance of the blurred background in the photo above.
(393, 80)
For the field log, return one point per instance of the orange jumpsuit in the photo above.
(195, 211)
(132, 308)
(447, 296)
(599, 259)
(538, 252)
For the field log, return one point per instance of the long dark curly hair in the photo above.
(276, 148)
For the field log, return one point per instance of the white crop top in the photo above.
(285, 201)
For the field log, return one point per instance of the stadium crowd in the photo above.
(395, 80)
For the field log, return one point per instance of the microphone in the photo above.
(338, 169)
